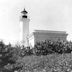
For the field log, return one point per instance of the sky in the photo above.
(44, 15)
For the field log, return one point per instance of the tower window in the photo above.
(24, 16)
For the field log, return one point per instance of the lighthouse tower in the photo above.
(24, 22)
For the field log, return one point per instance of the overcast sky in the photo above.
(43, 14)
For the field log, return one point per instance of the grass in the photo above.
(49, 63)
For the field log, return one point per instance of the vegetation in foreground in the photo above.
(46, 56)
(49, 63)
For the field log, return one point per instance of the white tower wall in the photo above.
(24, 23)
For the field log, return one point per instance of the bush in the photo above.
(26, 52)
(43, 48)
(48, 47)
(8, 58)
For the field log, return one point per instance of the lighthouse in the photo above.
(24, 23)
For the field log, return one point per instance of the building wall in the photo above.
(49, 36)
(31, 41)
(41, 36)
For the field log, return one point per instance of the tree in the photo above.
(8, 57)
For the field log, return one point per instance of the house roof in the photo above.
(49, 31)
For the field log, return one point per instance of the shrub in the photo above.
(26, 52)
(43, 48)
(48, 47)
(8, 57)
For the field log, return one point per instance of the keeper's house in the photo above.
(42, 35)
